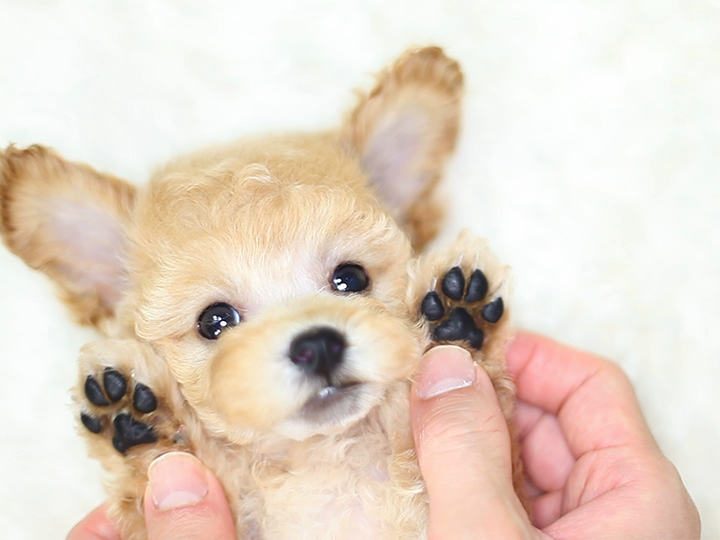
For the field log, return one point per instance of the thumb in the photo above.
(463, 448)
(185, 501)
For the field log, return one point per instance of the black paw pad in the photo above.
(475, 337)
(456, 327)
(461, 308)
(432, 306)
(129, 432)
(493, 311)
(115, 384)
(144, 400)
(453, 284)
(119, 406)
(92, 423)
(477, 287)
(94, 392)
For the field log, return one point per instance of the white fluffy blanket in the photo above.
(590, 157)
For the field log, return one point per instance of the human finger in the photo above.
(620, 478)
(96, 526)
(592, 398)
(185, 501)
(545, 453)
(463, 447)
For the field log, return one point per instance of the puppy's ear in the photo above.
(404, 131)
(70, 222)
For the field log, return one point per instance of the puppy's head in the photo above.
(273, 284)
(270, 274)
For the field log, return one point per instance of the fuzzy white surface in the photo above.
(590, 157)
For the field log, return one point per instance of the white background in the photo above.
(590, 158)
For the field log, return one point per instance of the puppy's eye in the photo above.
(350, 278)
(216, 318)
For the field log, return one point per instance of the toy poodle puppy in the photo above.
(263, 307)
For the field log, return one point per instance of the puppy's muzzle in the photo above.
(318, 351)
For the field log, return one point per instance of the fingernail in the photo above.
(445, 368)
(177, 479)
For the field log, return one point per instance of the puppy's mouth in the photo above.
(332, 409)
(333, 403)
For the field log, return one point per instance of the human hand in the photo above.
(593, 467)
(183, 501)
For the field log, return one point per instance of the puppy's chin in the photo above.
(332, 409)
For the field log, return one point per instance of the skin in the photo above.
(183, 501)
(593, 467)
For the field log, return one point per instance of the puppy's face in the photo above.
(271, 274)
(273, 284)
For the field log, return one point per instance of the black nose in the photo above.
(318, 351)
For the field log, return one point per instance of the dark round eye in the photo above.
(216, 318)
(350, 278)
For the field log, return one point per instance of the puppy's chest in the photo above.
(346, 507)
(343, 494)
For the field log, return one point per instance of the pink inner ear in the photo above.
(394, 158)
(90, 247)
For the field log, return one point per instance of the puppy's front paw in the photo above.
(118, 402)
(123, 411)
(462, 310)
